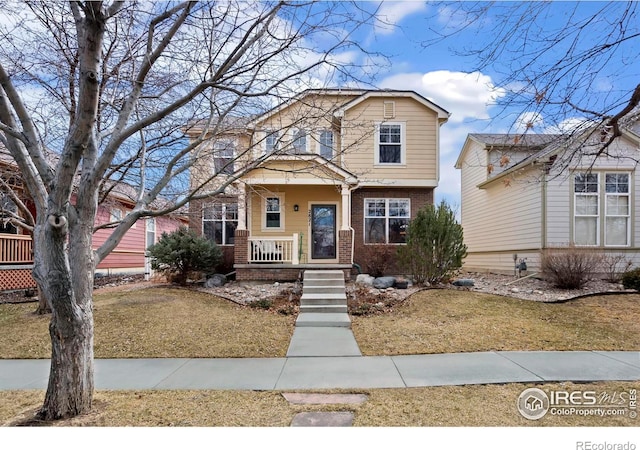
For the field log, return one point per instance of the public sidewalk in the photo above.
(349, 372)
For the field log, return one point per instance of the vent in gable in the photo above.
(389, 110)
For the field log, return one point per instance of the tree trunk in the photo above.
(69, 289)
(43, 303)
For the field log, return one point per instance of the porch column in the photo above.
(242, 207)
(241, 247)
(346, 199)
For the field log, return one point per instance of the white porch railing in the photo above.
(278, 250)
(16, 249)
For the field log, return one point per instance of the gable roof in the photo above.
(506, 141)
(313, 158)
(361, 95)
(300, 96)
(443, 114)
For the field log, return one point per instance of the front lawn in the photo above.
(447, 321)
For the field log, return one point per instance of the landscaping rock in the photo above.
(402, 284)
(464, 282)
(384, 282)
(364, 278)
(215, 280)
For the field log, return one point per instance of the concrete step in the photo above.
(323, 301)
(323, 309)
(323, 275)
(325, 282)
(310, 319)
(322, 290)
(323, 298)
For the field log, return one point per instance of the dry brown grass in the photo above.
(443, 321)
(169, 322)
(446, 406)
(157, 323)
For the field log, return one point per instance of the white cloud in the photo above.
(464, 95)
(391, 14)
(469, 98)
(529, 120)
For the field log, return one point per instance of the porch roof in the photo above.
(301, 169)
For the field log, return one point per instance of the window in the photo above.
(115, 215)
(223, 156)
(219, 222)
(386, 220)
(390, 140)
(617, 205)
(326, 144)
(588, 219)
(273, 213)
(8, 209)
(271, 141)
(151, 231)
(299, 141)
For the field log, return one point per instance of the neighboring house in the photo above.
(334, 172)
(522, 194)
(16, 257)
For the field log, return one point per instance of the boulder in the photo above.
(384, 282)
(402, 284)
(364, 278)
(464, 282)
(215, 280)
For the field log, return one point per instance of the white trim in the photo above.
(403, 144)
(399, 183)
(386, 218)
(280, 197)
(333, 142)
(148, 220)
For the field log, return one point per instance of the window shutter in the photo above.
(389, 110)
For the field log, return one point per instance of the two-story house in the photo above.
(334, 171)
(523, 194)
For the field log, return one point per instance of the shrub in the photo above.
(435, 245)
(570, 267)
(615, 266)
(178, 253)
(631, 279)
(377, 259)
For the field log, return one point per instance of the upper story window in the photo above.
(390, 144)
(271, 141)
(223, 156)
(326, 144)
(386, 220)
(219, 222)
(590, 189)
(299, 140)
(115, 215)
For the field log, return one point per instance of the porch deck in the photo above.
(284, 271)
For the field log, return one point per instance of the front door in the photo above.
(323, 231)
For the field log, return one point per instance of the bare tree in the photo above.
(98, 95)
(566, 67)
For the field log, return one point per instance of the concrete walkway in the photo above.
(349, 372)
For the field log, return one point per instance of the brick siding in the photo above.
(419, 197)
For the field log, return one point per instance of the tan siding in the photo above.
(421, 132)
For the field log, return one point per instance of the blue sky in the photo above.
(446, 78)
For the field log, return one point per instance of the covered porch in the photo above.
(297, 220)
